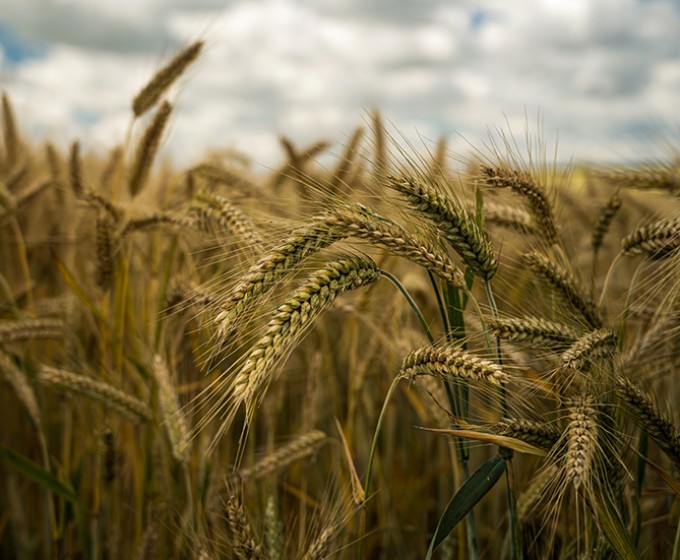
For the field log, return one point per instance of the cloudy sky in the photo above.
(603, 74)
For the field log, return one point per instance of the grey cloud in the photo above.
(83, 26)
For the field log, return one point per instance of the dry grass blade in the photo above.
(147, 148)
(164, 78)
(109, 396)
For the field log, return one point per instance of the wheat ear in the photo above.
(227, 216)
(657, 240)
(595, 344)
(453, 221)
(289, 321)
(270, 269)
(17, 379)
(164, 78)
(523, 184)
(109, 396)
(106, 249)
(243, 538)
(173, 418)
(533, 330)
(303, 446)
(10, 133)
(565, 285)
(363, 223)
(541, 434)
(451, 363)
(604, 221)
(648, 416)
(581, 440)
(147, 148)
(29, 329)
(511, 217)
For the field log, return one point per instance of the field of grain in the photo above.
(406, 353)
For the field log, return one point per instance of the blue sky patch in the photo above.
(16, 49)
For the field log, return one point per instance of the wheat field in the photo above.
(407, 353)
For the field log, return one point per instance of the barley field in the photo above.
(406, 353)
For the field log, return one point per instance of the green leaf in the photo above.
(472, 490)
(35, 472)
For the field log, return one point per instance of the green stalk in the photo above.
(676, 544)
(643, 445)
(507, 454)
(409, 299)
(371, 457)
